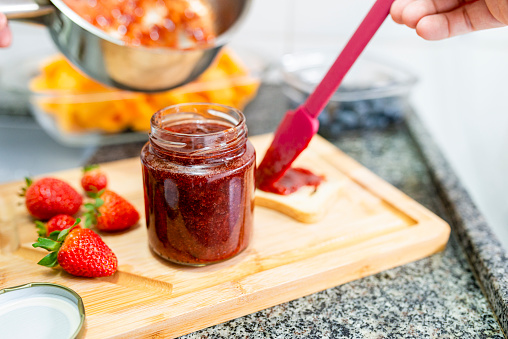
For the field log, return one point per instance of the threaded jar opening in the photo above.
(198, 130)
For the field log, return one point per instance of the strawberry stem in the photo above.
(28, 182)
(41, 228)
(88, 168)
(97, 195)
(53, 244)
(92, 211)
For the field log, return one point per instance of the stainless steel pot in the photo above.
(111, 61)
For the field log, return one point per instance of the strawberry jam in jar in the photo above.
(198, 176)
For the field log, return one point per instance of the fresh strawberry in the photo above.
(110, 212)
(93, 180)
(48, 197)
(57, 223)
(79, 251)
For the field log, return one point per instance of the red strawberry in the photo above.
(48, 197)
(111, 212)
(57, 223)
(93, 180)
(79, 251)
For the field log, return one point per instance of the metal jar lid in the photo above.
(41, 310)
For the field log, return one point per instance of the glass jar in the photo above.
(198, 176)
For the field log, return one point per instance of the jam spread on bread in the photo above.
(291, 181)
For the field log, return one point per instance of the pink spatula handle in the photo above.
(317, 101)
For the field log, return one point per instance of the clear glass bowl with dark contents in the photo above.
(373, 95)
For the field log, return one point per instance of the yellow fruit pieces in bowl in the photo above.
(80, 105)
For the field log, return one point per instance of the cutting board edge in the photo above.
(269, 297)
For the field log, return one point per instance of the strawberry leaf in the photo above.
(54, 235)
(92, 212)
(61, 236)
(41, 228)
(65, 232)
(96, 204)
(99, 202)
(89, 206)
(88, 168)
(47, 244)
(50, 260)
(90, 220)
(53, 244)
(96, 195)
(28, 182)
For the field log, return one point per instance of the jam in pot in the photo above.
(183, 24)
(198, 176)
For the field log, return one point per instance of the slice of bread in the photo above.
(306, 205)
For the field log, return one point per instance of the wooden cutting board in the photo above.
(372, 227)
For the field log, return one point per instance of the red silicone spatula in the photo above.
(298, 127)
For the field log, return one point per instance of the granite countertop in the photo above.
(460, 292)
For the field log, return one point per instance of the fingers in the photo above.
(440, 19)
(471, 17)
(417, 10)
(409, 12)
(5, 32)
(434, 27)
(397, 8)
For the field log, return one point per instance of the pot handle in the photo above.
(28, 10)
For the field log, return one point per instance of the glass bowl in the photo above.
(77, 111)
(373, 95)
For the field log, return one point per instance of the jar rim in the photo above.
(178, 107)
(198, 143)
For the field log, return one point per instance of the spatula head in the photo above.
(291, 138)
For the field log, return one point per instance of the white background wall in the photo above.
(462, 94)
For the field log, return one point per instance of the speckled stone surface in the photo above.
(485, 252)
(436, 297)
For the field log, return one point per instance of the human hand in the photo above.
(5, 32)
(441, 19)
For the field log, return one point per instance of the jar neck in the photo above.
(196, 133)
